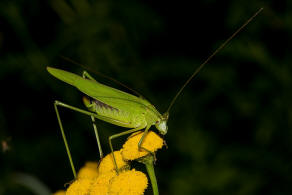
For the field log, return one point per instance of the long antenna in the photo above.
(100, 74)
(211, 56)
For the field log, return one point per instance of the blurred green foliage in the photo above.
(229, 132)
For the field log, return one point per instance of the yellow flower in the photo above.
(60, 192)
(79, 187)
(91, 164)
(107, 163)
(88, 171)
(99, 189)
(129, 182)
(100, 184)
(151, 142)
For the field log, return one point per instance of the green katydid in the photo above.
(120, 108)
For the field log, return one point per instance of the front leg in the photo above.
(119, 135)
(140, 147)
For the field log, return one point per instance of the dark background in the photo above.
(230, 130)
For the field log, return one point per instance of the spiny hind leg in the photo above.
(92, 115)
(65, 139)
(97, 137)
(86, 75)
(140, 147)
(119, 135)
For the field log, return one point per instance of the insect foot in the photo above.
(151, 144)
(145, 153)
(149, 153)
(108, 164)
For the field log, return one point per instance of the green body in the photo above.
(120, 108)
(110, 104)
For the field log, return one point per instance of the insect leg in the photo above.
(141, 141)
(65, 140)
(56, 104)
(97, 137)
(85, 74)
(119, 135)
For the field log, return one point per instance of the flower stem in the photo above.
(148, 161)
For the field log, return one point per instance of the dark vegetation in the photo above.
(229, 132)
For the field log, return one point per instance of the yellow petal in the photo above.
(107, 163)
(88, 171)
(100, 185)
(91, 164)
(129, 182)
(79, 187)
(151, 142)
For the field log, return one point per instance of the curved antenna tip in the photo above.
(212, 55)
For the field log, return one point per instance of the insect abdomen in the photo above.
(127, 119)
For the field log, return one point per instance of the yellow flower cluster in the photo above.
(88, 171)
(128, 182)
(79, 186)
(107, 163)
(100, 185)
(152, 142)
(102, 179)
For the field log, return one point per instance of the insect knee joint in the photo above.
(58, 103)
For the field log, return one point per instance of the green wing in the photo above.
(89, 87)
(108, 95)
